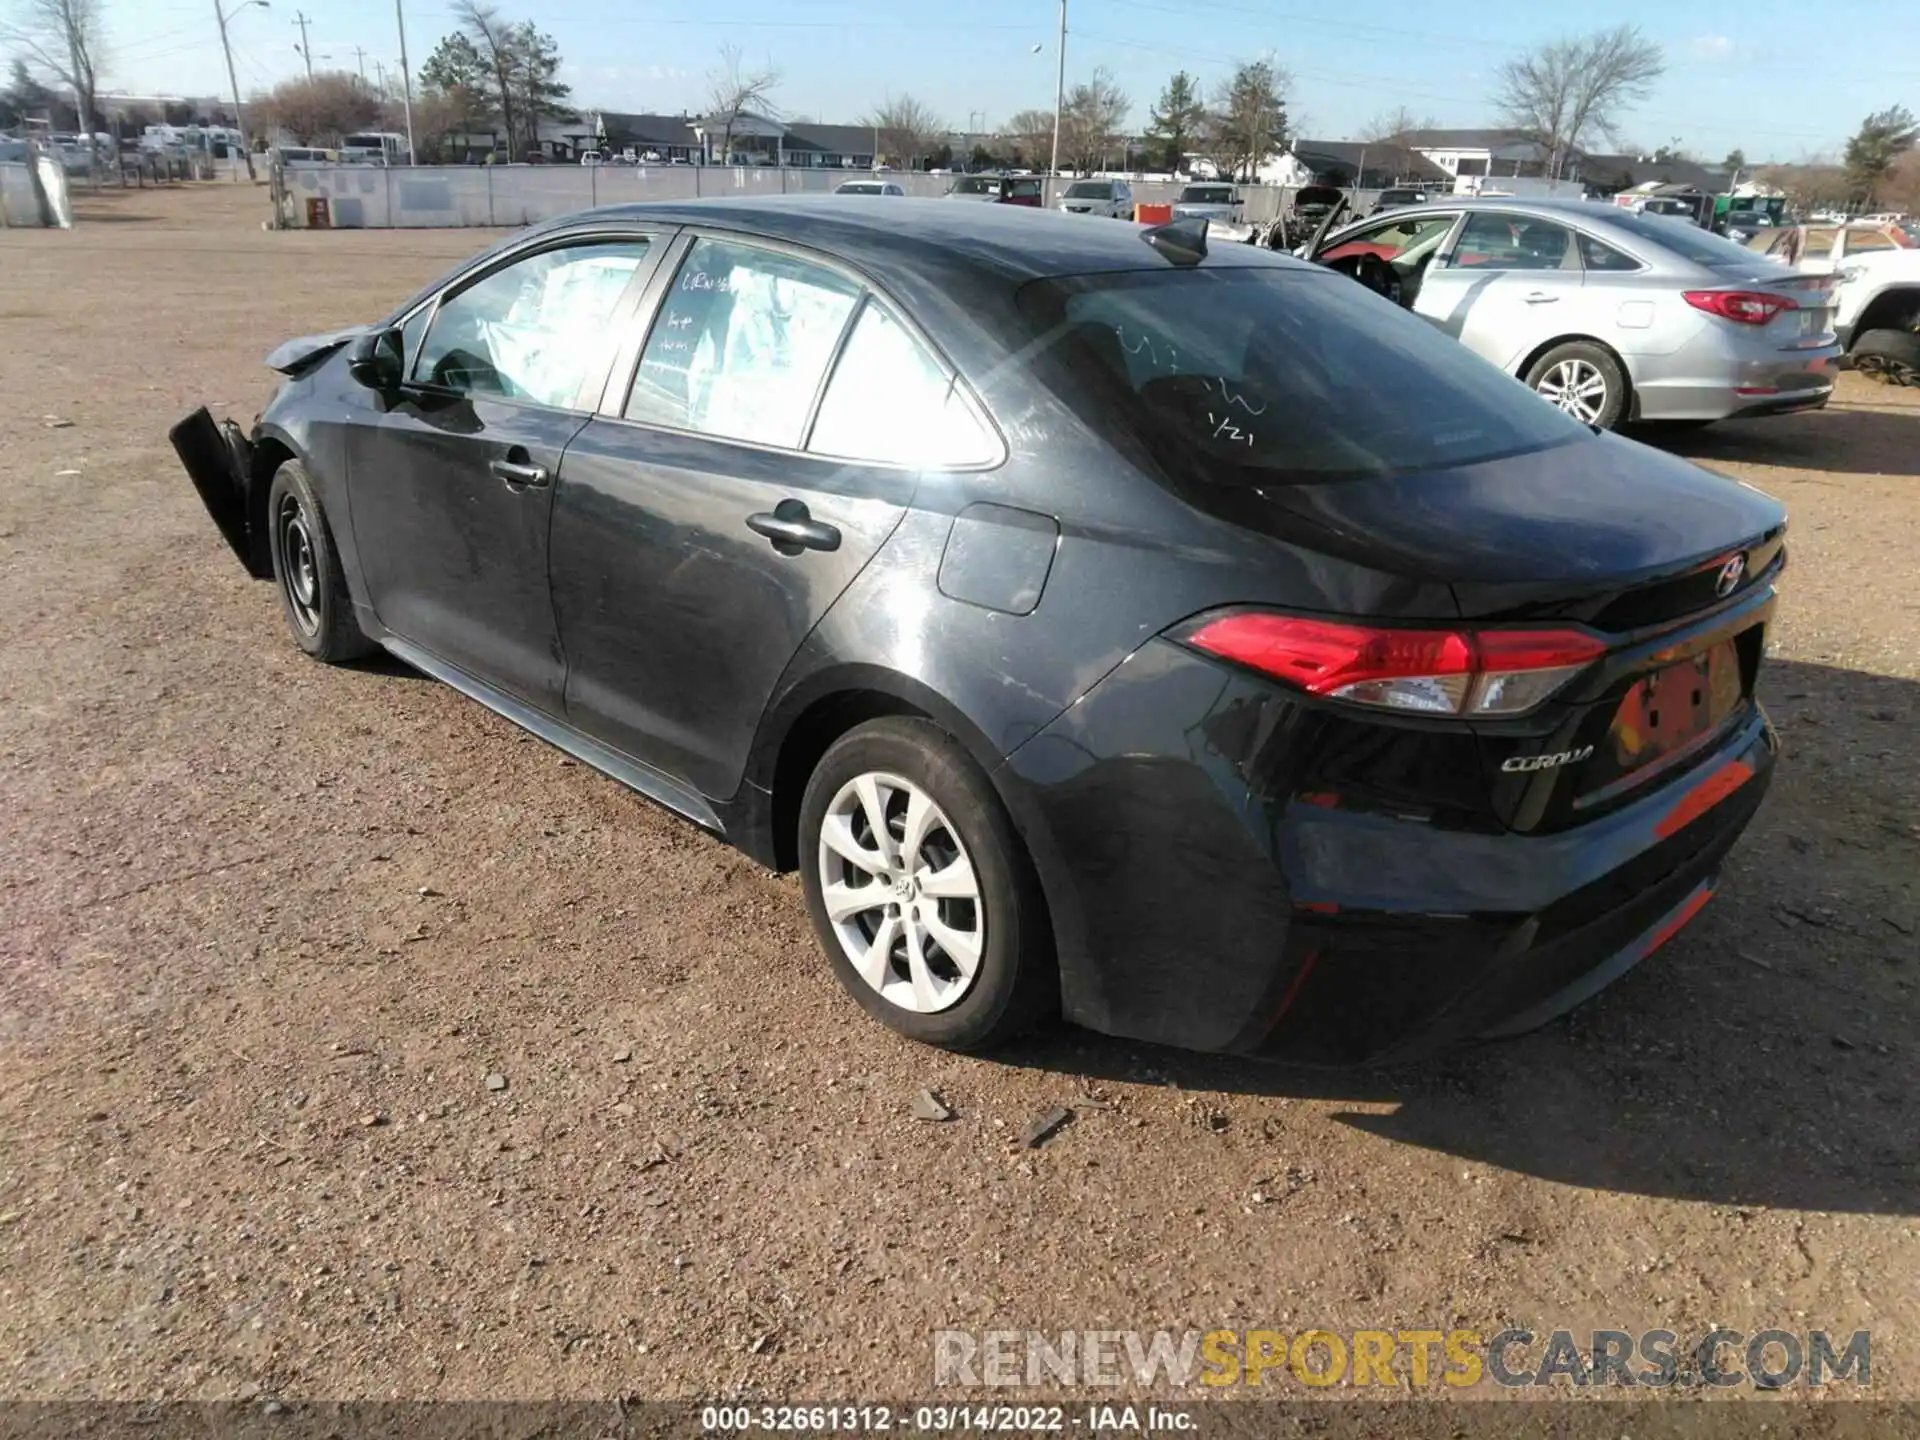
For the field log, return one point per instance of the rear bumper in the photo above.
(1207, 894)
(1718, 378)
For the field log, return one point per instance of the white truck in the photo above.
(1878, 316)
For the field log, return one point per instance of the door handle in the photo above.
(1540, 297)
(792, 529)
(519, 476)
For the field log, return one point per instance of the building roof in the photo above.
(830, 139)
(1462, 139)
(1633, 170)
(649, 129)
(1385, 156)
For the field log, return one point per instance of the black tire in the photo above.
(1891, 356)
(1015, 984)
(1578, 353)
(306, 571)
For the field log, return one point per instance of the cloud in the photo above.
(1711, 47)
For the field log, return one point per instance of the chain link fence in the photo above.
(376, 197)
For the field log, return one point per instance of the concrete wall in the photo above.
(446, 196)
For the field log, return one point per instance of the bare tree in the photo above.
(1392, 124)
(906, 130)
(734, 91)
(1030, 133)
(493, 40)
(1092, 120)
(317, 111)
(67, 39)
(1562, 92)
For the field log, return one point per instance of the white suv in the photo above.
(1878, 294)
(1112, 198)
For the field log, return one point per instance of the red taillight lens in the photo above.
(1743, 307)
(1438, 672)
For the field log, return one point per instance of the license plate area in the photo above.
(1664, 715)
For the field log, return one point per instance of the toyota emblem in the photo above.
(1729, 578)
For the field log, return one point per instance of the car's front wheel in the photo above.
(1584, 380)
(920, 890)
(1892, 356)
(307, 573)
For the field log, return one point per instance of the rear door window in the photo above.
(741, 344)
(891, 402)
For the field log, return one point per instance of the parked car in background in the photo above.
(869, 187)
(1875, 268)
(1110, 198)
(1395, 199)
(1614, 316)
(1102, 622)
(1210, 201)
(1026, 190)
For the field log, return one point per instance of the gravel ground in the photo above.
(270, 929)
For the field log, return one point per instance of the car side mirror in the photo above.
(377, 361)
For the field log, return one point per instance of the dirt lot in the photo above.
(269, 927)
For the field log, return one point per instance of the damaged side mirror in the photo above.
(377, 360)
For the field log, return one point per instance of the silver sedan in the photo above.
(1613, 316)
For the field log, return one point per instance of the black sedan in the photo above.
(1184, 639)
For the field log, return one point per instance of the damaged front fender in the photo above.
(219, 460)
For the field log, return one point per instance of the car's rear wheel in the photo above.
(307, 573)
(919, 889)
(1584, 380)
(1889, 355)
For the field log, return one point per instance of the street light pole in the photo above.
(239, 120)
(306, 50)
(1060, 88)
(406, 79)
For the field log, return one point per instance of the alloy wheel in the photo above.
(299, 572)
(1577, 387)
(901, 894)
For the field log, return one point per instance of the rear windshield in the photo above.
(1090, 190)
(1024, 187)
(1207, 194)
(1254, 376)
(1683, 237)
(977, 185)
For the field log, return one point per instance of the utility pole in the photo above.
(239, 120)
(360, 59)
(306, 52)
(1060, 89)
(406, 77)
(380, 77)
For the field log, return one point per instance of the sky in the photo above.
(1779, 80)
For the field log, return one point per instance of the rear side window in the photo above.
(1858, 240)
(534, 330)
(741, 344)
(1598, 255)
(1253, 376)
(890, 401)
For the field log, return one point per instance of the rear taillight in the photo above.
(1743, 307)
(1435, 672)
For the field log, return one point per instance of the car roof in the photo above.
(915, 242)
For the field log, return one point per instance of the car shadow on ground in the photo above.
(1764, 1057)
(1879, 434)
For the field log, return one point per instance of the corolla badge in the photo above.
(1522, 763)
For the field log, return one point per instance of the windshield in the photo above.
(1683, 237)
(977, 185)
(858, 188)
(1207, 195)
(1090, 190)
(1256, 376)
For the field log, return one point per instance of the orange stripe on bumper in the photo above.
(1694, 905)
(1703, 797)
